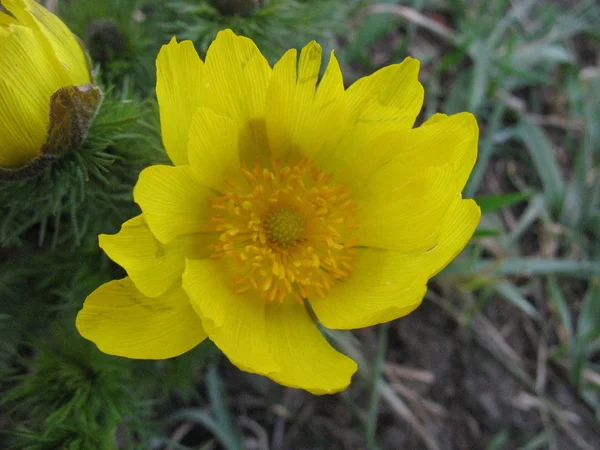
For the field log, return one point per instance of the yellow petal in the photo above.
(276, 340)
(173, 202)
(24, 19)
(63, 42)
(442, 140)
(179, 76)
(299, 116)
(385, 285)
(153, 267)
(372, 294)
(388, 100)
(437, 117)
(279, 117)
(307, 361)
(456, 231)
(122, 321)
(331, 86)
(236, 80)
(290, 97)
(5, 19)
(234, 322)
(405, 217)
(32, 73)
(22, 127)
(213, 148)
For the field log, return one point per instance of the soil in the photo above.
(461, 393)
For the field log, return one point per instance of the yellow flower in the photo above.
(284, 192)
(38, 56)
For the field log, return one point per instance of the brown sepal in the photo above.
(72, 111)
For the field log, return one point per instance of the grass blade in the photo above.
(543, 157)
(512, 294)
(526, 267)
(491, 203)
(373, 413)
(216, 394)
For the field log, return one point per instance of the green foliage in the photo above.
(275, 26)
(221, 422)
(120, 37)
(491, 203)
(8, 348)
(518, 68)
(373, 28)
(179, 376)
(88, 191)
(68, 394)
(72, 396)
(526, 69)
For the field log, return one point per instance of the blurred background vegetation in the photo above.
(503, 354)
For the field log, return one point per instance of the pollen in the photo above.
(287, 231)
(283, 227)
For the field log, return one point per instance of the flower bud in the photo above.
(47, 96)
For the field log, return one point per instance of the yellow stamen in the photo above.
(286, 230)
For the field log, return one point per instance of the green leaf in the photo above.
(374, 27)
(486, 232)
(203, 418)
(216, 393)
(491, 203)
(525, 267)
(544, 159)
(480, 76)
(588, 323)
(500, 440)
(373, 414)
(562, 308)
(512, 294)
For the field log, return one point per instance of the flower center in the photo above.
(286, 230)
(283, 227)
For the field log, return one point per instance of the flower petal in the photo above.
(372, 294)
(235, 84)
(456, 231)
(5, 19)
(37, 41)
(331, 86)
(173, 202)
(122, 321)
(235, 323)
(292, 119)
(442, 140)
(32, 74)
(304, 119)
(300, 117)
(179, 76)
(65, 45)
(153, 267)
(405, 217)
(276, 340)
(385, 285)
(307, 361)
(437, 117)
(22, 127)
(213, 148)
(332, 112)
(388, 100)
